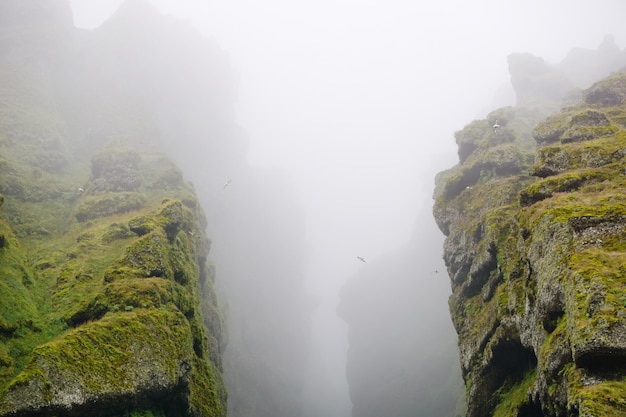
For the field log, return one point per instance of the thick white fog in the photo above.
(358, 100)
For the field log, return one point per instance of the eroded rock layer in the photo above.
(107, 301)
(536, 251)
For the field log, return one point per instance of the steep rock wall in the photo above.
(107, 297)
(141, 84)
(537, 261)
(184, 82)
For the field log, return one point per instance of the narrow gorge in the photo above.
(150, 267)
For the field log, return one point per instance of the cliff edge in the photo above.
(107, 301)
(535, 223)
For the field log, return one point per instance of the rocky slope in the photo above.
(535, 223)
(107, 298)
(105, 110)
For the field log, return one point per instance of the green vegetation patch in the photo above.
(566, 182)
(551, 129)
(595, 397)
(146, 293)
(608, 92)
(574, 125)
(564, 207)
(603, 400)
(108, 204)
(585, 133)
(514, 398)
(146, 350)
(552, 160)
(600, 290)
(147, 257)
(503, 160)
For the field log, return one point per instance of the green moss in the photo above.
(174, 217)
(602, 152)
(566, 182)
(584, 133)
(556, 286)
(208, 393)
(118, 353)
(504, 160)
(146, 257)
(148, 293)
(594, 261)
(577, 124)
(108, 204)
(608, 92)
(515, 397)
(116, 231)
(552, 128)
(604, 398)
(70, 292)
(563, 208)
(161, 173)
(64, 330)
(142, 225)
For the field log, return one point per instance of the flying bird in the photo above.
(80, 190)
(496, 126)
(360, 258)
(227, 184)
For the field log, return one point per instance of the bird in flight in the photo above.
(496, 126)
(227, 184)
(360, 258)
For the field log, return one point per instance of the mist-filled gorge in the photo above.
(312, 209)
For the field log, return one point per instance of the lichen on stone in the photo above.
(538, 299)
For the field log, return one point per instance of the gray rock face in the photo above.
(537, 300)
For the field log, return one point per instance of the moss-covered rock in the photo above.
(538, 299)
(116, 170)
(108, 204)
(609, 92)
(108, 304)
(147, 351)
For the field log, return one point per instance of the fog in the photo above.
(351, 105)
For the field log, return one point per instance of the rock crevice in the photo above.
(537, 273)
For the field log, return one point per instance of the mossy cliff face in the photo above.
(107, 301)
(115, 312)
(538, 261)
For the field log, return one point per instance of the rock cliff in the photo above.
(535, 223)
(107, 300)
(99, 132)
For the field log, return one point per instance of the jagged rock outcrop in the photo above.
(93, 109)
(107, 299)
(536, 253)
(256, 222)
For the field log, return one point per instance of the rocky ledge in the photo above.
(535, 223)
